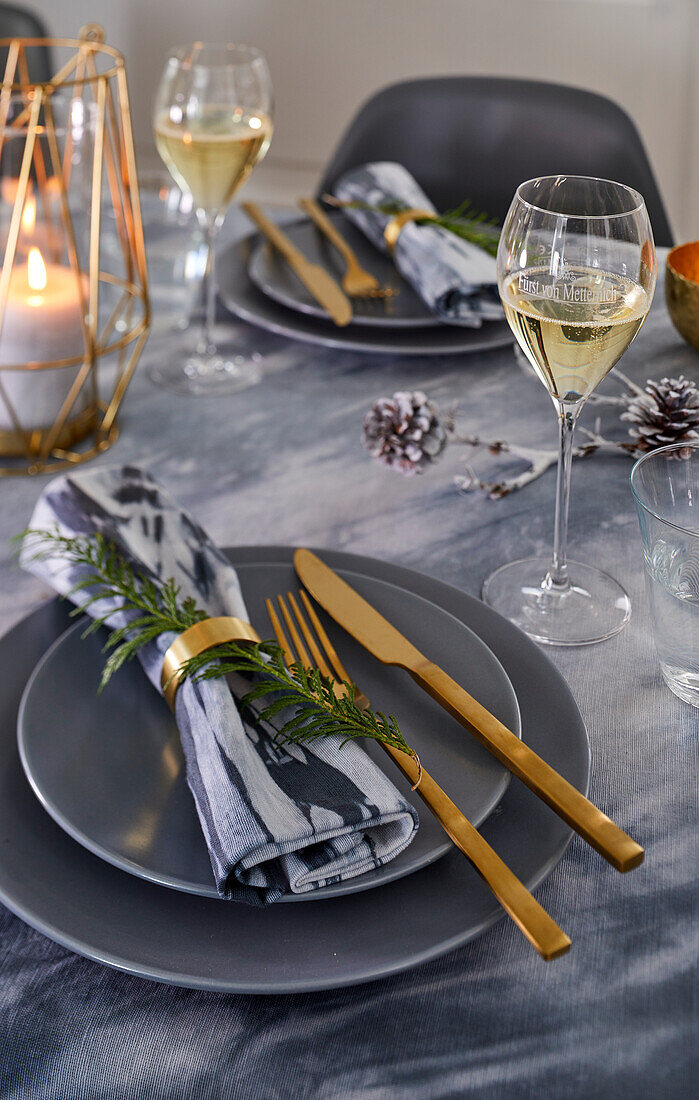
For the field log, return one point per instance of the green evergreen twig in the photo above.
(469, 224)
(318, 706)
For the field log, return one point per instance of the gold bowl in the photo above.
(682, 290)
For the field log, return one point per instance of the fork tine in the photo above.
(308, 637)
(300, 648)
(279, 634)
(327, 645)
(360, 698)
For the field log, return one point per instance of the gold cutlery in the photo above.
(357, 281)
(320, 284)
(536, 924)
(390, 647)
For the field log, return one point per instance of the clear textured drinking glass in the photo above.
(576, 273)
(665, 485)
(213, 123)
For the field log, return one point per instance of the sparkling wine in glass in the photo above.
(576, 272)
(212, 123)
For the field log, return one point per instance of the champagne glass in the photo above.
(576, 273)
(212, 124)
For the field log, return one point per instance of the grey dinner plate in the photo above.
(270, 272)
(109, 768)
(239, 294)
(91, 907)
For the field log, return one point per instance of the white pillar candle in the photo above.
(42, 323)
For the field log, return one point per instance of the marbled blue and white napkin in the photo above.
(277, 819)
(456, 279)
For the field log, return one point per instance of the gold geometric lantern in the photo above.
(74, 310)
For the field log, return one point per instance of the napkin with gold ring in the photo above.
(276, 819)
(456, 279)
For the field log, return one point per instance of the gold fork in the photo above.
(357, 281)
(536, 924)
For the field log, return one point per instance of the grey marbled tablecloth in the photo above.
(616, 1017)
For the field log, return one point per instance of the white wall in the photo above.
(327, 56)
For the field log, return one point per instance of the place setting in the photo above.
(212, 818)
(349, 274)
(275, 720)
(376, 303)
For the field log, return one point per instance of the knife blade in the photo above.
(389, 646)
(316, 280)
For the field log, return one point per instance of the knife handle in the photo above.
(582, 815)
(536, 924)
(273, 233)
(318, 215)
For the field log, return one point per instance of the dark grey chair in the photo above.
(479, 137)
(16, 22)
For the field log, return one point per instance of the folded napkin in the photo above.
(455, 279)
(276, 819)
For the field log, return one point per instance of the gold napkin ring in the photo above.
(393, 230)
(195, 640)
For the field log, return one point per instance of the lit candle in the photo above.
(42, 323)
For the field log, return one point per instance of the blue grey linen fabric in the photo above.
(455, 278)
(276, 819)
(615, 1018)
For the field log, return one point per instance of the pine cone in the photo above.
(404, 432)
(668, 412)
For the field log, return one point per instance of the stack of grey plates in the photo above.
(257, 284)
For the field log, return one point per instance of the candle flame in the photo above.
(36, 270)
(29, 215)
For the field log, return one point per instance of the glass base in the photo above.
(683, 682)
(592, 608)
(228, 369)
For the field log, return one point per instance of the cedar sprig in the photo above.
(320, 706)
(472, 225)
(466, 222)
(152, 607)
(317, 705)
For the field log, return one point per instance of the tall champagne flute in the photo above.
(213, 123)
(576, 272)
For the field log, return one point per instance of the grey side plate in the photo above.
(89, 906)
(270, 272)
(109, 768)
(243, 298)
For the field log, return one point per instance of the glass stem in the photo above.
(208, 290)
(557, 577)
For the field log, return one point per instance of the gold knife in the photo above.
(321, 285)
(387, 644)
